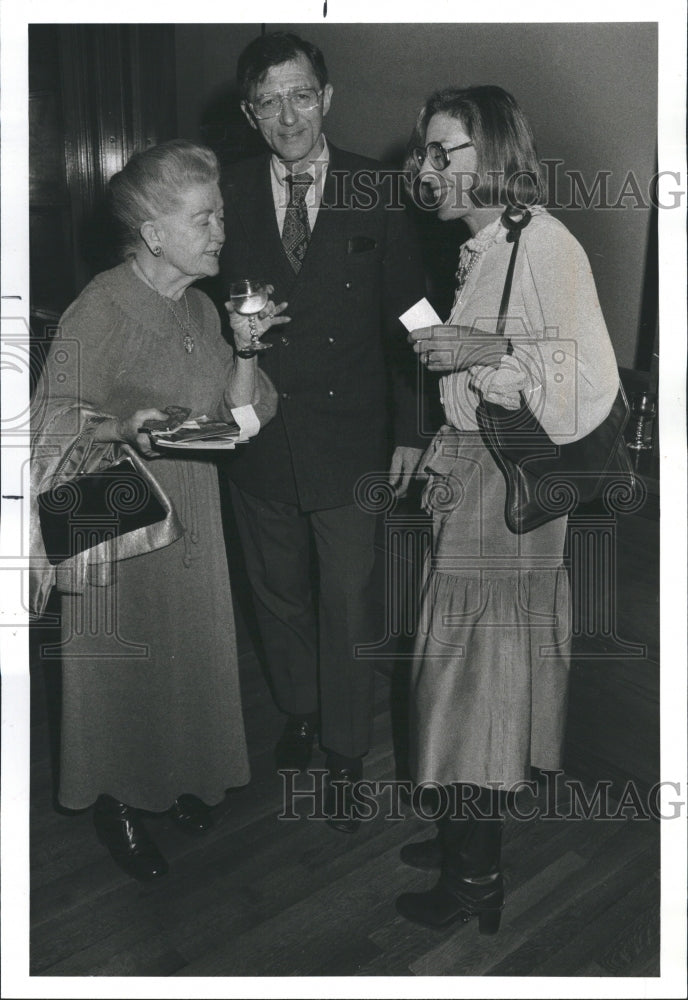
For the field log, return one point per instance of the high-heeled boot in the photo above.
(120, 828)
(470, 882)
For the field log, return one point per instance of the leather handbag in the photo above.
(545, 480)
(93, 507)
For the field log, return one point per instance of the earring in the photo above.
(156, 251)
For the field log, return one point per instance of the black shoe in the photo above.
(295, 747)
(450, 901)
(339, 803)
(121, 830)
(191, 814)
(424, 854)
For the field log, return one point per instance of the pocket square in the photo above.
(359, 244)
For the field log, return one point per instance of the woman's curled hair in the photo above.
(151, 181)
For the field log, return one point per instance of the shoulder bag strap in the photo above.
(515, 227)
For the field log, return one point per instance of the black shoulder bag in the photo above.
(545, 480)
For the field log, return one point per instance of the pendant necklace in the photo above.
(188, 341)
(185, 328)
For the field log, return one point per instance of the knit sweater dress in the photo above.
(151, 701)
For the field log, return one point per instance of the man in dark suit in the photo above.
(325, 229)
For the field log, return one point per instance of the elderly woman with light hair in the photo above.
(151, 710)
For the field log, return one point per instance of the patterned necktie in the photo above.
(297, 231)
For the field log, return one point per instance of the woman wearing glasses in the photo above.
(492, 656)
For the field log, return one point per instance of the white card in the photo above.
(420, 315)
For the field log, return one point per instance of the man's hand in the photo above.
(403, 466)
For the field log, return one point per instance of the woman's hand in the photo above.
(499, 385)
(129, 430)
(436, 346)
(455, 348)
(271, 315)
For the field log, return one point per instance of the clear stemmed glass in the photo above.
(248, 298)
(644, 411)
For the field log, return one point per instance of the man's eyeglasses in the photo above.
(436, 154)
(270, 105)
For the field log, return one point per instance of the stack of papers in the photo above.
(201, 432)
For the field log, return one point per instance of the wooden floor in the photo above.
(259, 896)
(263, 896)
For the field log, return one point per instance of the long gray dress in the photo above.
(151, 700)
(490, 672)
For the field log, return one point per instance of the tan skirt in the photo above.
(490, 675)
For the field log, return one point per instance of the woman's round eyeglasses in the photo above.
(436, 154)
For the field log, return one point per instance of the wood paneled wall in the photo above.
(97, 93)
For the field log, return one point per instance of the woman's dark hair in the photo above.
(150, 183)
(273, 50)
(507, 165)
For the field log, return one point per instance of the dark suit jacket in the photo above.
(331, 364)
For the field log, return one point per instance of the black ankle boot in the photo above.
(470, 883)
(451, 900)
(120, 828)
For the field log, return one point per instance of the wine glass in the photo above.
(248, 298)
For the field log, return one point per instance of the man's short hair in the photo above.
(272, 50)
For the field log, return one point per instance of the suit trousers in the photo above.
(310, 622)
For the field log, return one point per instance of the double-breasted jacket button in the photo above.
(348, 285)
(330, 340)
(285, 395)
(285, 340)
(331, 393)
